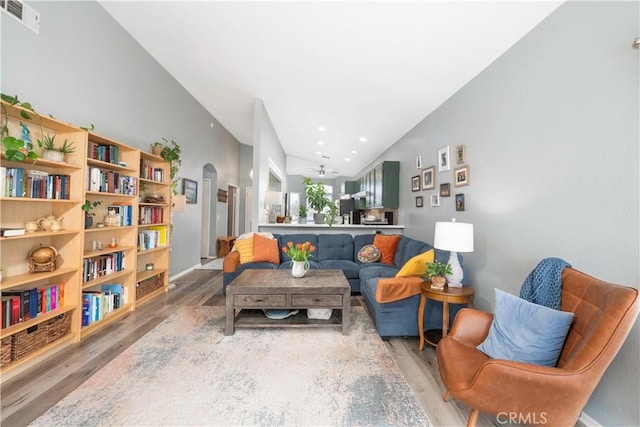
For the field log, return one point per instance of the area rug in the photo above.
(186, 372)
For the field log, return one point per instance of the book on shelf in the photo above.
(24, 304)
(9, 232)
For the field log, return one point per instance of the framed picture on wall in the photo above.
(461, 176)
(419, 201)
(461, 154)
(444, 162)
(418, 162)
(435, 200)
(460, 202)
(428, 178)
(190, 190)
(415, 183)
(445, 190)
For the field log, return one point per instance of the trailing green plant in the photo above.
(171, 153)
(88, 206)
(437, 269)
(17, 149)
(318, 200)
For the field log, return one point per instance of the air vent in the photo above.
(23, 13)
(324, 156)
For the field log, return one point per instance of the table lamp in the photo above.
(454, 237)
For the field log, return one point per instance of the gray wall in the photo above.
(268, 157)
(246, 164)
(84, 68)
(552, 136)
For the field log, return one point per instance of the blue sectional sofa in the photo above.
(340, 251)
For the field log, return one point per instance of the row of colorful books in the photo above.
(103, 152)
(150, 215)
(153, 237)
(18, 182)
(20, 305)
(107, 181)
(102, 265)
(149, 172)
(97, 304)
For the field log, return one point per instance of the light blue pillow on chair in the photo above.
(526, 332)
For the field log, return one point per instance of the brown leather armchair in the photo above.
(532, 394)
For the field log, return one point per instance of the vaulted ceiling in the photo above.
(362, 70)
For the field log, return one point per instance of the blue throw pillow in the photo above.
(526, 332)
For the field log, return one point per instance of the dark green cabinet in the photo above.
(382, 185)
(351, 187)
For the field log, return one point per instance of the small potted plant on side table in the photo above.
(436, 272)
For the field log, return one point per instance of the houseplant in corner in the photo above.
(318, 201)
(436, 272)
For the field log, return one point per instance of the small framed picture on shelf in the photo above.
(418, 162)
(419, 201)
(461, 176)
(461, 154)
(444, 162)
(460, 202)
(190, 190)
(445, 190)
(415, 183)
(428, 178)
(435, 200)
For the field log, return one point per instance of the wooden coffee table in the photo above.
(277, 289)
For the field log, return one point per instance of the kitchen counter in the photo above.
(353, 229)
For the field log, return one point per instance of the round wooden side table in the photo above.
(463, 295)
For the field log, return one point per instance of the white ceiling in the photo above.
(360, 69)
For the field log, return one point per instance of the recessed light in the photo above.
(320, 143)
(318, 153)
(354, 151)
(346, 159)
(363, 139)
(321, 128)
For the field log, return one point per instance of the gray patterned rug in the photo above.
(186, 372)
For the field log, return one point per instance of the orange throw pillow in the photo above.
(387, 245)
(265, 249)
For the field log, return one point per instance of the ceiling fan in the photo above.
(322, 171)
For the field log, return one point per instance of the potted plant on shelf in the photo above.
(53, 153)
(88, 214)
(436, 272)
(302, 214)
(318, 201)
(156, 148)
(171, 153)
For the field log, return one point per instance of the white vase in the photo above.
(53, 155)
(299, 268)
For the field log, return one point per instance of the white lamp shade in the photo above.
(179, 202)
(453, 236)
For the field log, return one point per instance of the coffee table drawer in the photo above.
(245, 301)
(316, 300)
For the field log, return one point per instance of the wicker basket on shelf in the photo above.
(58, 327)
(149, 285)
(29, 341)
(5, 352)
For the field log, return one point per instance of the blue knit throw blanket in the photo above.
(543, 286)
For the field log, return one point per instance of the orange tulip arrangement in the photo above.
(299, 251)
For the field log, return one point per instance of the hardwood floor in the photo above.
(28, 394)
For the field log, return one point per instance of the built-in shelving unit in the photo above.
(101, 272)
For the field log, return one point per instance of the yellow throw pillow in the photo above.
(417, 265)
(245, 247)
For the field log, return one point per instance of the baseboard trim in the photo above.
(180, 274)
